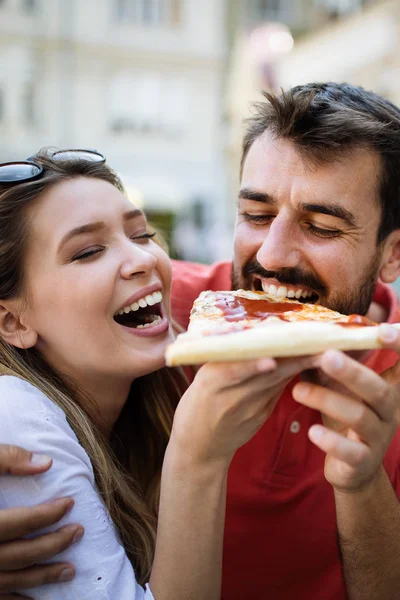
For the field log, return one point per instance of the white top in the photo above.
(103, 572)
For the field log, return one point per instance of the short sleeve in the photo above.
(103, 572)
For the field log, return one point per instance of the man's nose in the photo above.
(279, 248)
(136, 260)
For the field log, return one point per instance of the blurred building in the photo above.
(162, 88)
(281, 43)
(140, 80)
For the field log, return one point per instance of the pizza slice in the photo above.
(243, 325)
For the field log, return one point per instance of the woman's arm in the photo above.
(223, 408)
(103, 571)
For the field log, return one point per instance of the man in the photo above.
(318, 213)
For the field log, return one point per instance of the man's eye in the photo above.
(262, 219)
(142, 236)
(89, 252)
(323, 232)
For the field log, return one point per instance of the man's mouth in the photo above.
(286, 292)
(144, 313)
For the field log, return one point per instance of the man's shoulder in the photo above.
(198, 275)
(190, 279)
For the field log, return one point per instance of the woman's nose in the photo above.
(137, 260)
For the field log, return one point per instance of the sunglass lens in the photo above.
(18, 172)
(90, 155)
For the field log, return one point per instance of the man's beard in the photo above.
(355, 301)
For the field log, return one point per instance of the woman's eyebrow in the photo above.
(87, 228)
(97, 226)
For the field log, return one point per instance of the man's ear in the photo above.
(13, 330)
(390, 262)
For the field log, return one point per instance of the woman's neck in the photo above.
(104, 399)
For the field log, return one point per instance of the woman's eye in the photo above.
(323, 232)
(89, 252)
(142, 236)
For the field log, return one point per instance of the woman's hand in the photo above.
(228, 403)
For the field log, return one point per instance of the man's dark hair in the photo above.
(328, 120)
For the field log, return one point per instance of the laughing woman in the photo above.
(84, 323)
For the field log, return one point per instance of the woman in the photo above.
(84, 323)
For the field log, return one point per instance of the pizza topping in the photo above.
(358, 321)
(238, 308)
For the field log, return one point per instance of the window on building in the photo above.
(266, 10)
(148, 103)
(28, 104)
(149, 12)
(340, 7)
(29, 6)
(2, 102)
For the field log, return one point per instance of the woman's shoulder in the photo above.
(16, 393)
(30, 419)
(26, 413)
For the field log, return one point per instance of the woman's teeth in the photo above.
(149, 300)
(157, 320)
(283, 292)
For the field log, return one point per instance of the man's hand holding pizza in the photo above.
(360, 411)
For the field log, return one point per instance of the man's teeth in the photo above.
(283, 292)
(148, 300)
(155, 322)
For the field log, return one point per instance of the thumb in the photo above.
(18, 461)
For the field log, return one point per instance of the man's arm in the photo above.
(360, 412)
(19, 557)
(369, 536)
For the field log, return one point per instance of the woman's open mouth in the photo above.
(144, 314)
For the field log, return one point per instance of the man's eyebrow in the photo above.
(249, 194)
(97, 226)
(334, 210)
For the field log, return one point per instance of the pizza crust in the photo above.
(278, 339)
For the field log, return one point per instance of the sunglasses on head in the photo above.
(27, 170)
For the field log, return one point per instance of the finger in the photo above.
(35, 576)
(348, 411)
(290, 367)
(20, 554)
(390, 338)
(349, 451)
(361, 381)
(18, 461)
(18, 522)
(280, 371)
(234, 373)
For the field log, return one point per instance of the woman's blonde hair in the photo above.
(127, 468)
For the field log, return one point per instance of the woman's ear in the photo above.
(390, 263)
(13, 330)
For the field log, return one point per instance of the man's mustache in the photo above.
(287, 276)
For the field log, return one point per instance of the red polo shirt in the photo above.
(280, 533)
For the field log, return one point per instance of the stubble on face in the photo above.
(347, 302)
